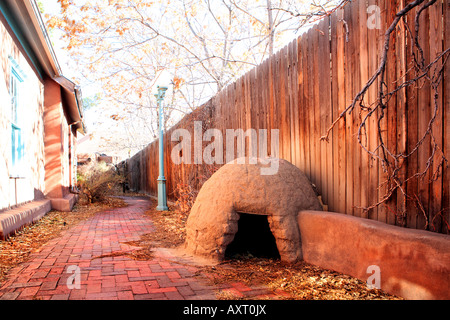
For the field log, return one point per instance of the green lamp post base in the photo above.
(162, 198)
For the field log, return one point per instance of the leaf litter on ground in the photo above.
(302, 281)
(17, 248)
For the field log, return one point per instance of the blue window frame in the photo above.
(17, 145)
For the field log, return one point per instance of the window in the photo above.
(17, 146)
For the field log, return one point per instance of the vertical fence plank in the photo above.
(356, 115)
(167, 166)
(315, 108)
(382, 209)
(306, 104)
(423, 120)
(253, 104)
(277, 103)
(238, 107)
(301, 107)
(332, 205)
(391, 110)
(284, 100)
(267, 103)
(281, 103)
(446, 124)
(231, 88)
(339, 104)
(271, 99)
(349, 117)
(372, 128)
(289, 103)
(364, 76)
(412, 134)
(402, 130)
(310, 108)
(436, 186)
(325, 109)
(262, 96)
(295, 139)
(247, 95)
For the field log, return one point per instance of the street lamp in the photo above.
(162, 197)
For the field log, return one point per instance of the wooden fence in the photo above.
(305, 86)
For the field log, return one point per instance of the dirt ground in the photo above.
(300, 280)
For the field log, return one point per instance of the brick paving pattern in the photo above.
(47, 273)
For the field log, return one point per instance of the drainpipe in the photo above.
(71, 159)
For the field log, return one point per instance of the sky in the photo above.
(98, 120)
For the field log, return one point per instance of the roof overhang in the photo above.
(26, 22)
(73, 100)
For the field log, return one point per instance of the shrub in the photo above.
(97, 179)
(185, 196)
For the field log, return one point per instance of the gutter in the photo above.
(80, 108)
(38, 23)
(8, 18)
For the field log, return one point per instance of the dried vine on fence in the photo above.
(418, 74)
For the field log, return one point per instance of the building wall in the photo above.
(57, 143)
(31, 184)
(65, 164)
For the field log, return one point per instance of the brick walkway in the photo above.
(46, 274)
(93, 248)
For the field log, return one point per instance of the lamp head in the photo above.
(161, 92)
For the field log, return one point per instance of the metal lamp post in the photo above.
(162, 197)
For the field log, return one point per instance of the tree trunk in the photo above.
(270, 26)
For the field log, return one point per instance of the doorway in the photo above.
(253, 237)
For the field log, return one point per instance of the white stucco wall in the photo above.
(31, 121)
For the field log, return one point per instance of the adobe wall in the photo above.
(32, 184)
(57, 168)
(414, 264)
